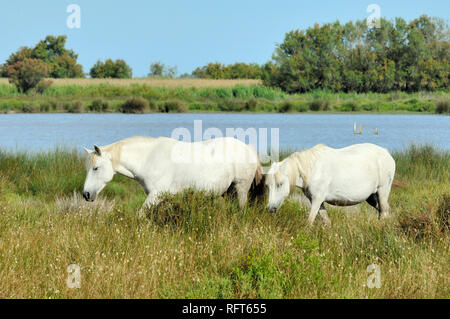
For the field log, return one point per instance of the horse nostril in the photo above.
(86, 195)
(272, 209)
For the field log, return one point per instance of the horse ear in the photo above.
(97, 150)
(88, 150)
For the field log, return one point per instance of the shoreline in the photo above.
(246, 113)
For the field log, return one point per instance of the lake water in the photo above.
(296, 131)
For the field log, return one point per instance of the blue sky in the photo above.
(184, 33)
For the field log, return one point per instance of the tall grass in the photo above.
(210, 95)
(195, 245)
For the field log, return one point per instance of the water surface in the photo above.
(45, 131)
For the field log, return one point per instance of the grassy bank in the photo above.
(146, 96)
(195, 245)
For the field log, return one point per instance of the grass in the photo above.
(183, 83)
(196, 95)
(194, 245)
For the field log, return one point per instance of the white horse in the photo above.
(166, 165)
(342, 177)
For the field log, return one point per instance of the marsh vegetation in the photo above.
(194, 245)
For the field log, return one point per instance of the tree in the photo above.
(111, 69)
(61, 62)
(122, 70)
(160, 70)
(353, 57)
(26, 74)
(232, 71)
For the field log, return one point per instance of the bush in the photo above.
(160, 70)
(319, 104)
(61, 62)
(173, 106)
(292, 106)
(134, 105)
(75, 107)
(44, 107)
(286, 107)
(232, 105)
(43, 85)
(28, 108)
(443, 106)
(251, 104)
(111, 69)
(26, 74)
(98, 106)
(350, 106)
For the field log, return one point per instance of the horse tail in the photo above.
(258, 189)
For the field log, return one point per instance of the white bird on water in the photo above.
(359, 129)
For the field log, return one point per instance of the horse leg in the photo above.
(383, 196)
(324, 215)
(152, 199)
(315, 206)
(242, 189)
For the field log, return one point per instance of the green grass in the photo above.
(194, 245)
(79, 97)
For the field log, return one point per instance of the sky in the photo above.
(185, 34)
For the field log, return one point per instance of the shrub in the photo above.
(75, 107)
(44, 107)
(28, 108)
(26, 74)
(350, 106)
(319, 104)
(173, 106)
(43, 85)
(302, 107)
(47, 106)
(251, 104)
(111, 69)
(286, 107)
(372, 106)
(423, 106)
(160, 70)
(292, 106)
(134, 105)
(443, 106)
(232, 105)
(98, 106)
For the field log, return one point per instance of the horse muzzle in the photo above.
(272, 209)
(90, 197)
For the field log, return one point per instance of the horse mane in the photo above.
(303, 162)
(115, 149)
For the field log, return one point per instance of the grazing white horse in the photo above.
(166, 165)
(342, 177)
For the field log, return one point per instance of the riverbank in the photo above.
(147, 96)
(194, 245)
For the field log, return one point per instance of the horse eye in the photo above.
(95, 168)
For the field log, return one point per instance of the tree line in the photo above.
(354, 58)
(348, 57)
